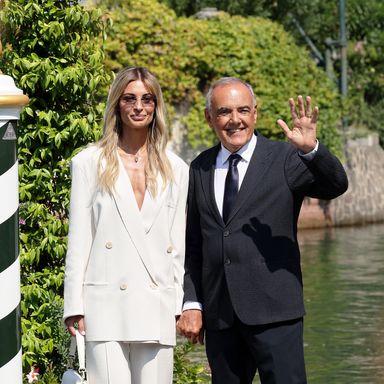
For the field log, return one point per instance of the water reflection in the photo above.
(343, 271)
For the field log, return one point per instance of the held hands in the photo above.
(190, 325)
(303, 133)
(73, 322)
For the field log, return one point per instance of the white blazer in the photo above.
(124, 266)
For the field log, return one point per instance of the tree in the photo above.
(187, 54)
(261, 8)
(365, 25)
(52, 50)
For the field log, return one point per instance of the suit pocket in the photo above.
(169, 300)
(95, 283)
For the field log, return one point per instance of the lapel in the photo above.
(152, 205)
(131, 217)
(255, 175)
(207, 172)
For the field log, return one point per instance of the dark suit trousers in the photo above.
(275, 350)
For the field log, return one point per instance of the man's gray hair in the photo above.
(224, 81)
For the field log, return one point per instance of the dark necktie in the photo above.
(231, 186)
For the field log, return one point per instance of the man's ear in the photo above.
(255, 114)
(208, 117)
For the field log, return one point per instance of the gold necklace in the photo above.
(136, 156)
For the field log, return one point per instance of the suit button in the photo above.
(123, 287)
(108, 245)
(227, 261)
(226, 233)
(169, 249)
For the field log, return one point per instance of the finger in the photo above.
(201, 337)
(185, 334)
(81, 327)
(71, 330)
(300, 103)
(284, 127)
(180, 330)
(196, 339)
(190, 338)
(70, 326)
(292, 108)
(315, 115)
(309, 106)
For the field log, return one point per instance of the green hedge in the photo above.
(187, 54)
(52, 50)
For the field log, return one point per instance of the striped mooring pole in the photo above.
(11, 102)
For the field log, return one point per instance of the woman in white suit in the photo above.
(125, 258)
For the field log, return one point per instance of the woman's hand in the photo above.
(75, 322)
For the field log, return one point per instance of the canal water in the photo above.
(343, 272)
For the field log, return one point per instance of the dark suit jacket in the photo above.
(251, 265)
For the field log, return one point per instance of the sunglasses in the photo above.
(147, 100)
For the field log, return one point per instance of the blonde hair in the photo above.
(112, 129)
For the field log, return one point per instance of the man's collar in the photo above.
(245, 151)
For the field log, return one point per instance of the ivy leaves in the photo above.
(187, 54)
(53, 51)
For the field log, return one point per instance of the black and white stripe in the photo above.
(12, 100)
(10, 333)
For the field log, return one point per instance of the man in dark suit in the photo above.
(243, 282)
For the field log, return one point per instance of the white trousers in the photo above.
(115, 362)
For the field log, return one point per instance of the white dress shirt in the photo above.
(221, 168)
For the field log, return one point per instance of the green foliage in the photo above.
(45, 340)
(366, 62)
(364, 24)
(52, 50)
(261, 8)
(252, 51)
(188, 54)
(184, 370)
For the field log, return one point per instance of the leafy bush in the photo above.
(186, 371)
(364, 25)
(52, 50)
(188, 54)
